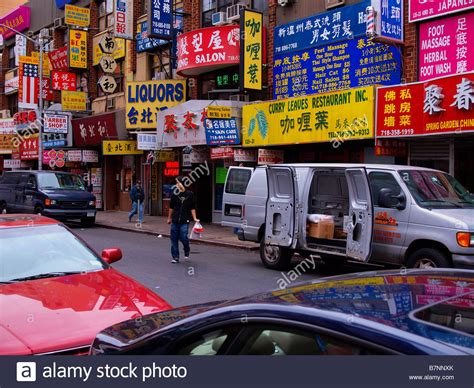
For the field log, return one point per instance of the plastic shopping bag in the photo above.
(197, 231)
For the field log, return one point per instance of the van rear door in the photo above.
(233, 199)
(282, 199)
(359, 225)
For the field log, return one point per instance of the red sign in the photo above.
(270, 156)
(25, 117)
(91, 131)
(207, 49)
(171, 169)
(396, 148)
(222, 153)
(62, 80)
(443, 105)
(58, 59)
(47, 91)
(29, 149)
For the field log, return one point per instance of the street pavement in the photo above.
(213, 272)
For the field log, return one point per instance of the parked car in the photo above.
(58, 195)
(402, 215)
(56, 294)
(358, 314)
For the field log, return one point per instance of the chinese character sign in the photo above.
(55, 123)
(123, 16)
(18, 19)
(331, 117)
(91, 131)
(427, 9)
(75, 101)
(78, 49)
(120, 147)
(160, 19)
(391, 19)
(221, 131)
(144, 42)
(443, 105)
(63, 80)
(145, 99)
(252, 50)
(444, 47)
(58, 59)
(77, 16)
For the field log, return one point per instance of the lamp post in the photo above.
(42, 39)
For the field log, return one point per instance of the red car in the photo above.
(56, 294)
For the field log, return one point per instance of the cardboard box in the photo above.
(322, 229)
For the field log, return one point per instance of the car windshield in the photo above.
(60, 181)
(435, 189)
(43, 251)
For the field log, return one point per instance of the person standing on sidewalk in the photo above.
(137, 195)
(182, 211)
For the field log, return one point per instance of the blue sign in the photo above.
(54, 143)
(221, 131)
(354, 63)
(144, 42)
(326, 28)
(160, 18)
(62, 3)
(392, 20)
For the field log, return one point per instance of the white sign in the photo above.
(96, 177)
(11, 85)
(20, 48)
(56, 123)
(241, 155)
(90, 156)
(123, 19)
(12, 163)
(108, 84)
(7, 127)
(74, 156)
(147, 142)
(270, 156)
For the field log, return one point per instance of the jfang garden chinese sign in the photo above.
(331, 117)
(443, 105)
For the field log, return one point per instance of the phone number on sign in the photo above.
(397, 132)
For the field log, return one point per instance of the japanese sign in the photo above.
(58, 59)
(245, 155)
(218, 112)
(77, 16)
(29, 149)
(221, 131)
(252, 50)
(147, 141)
(160, 18)
(117, 49)
(357, 62)
(334, 117)
(75, 101)
(444, 47)
(92, 130)
(222, 153)
(390, 21)
(327, 28)
(145, 99)
(78, 49)
(123, 16)
(62, 80)
(18, 19)
(270, 156)
(120, 147)
(443, 105)
(55, 123)
(20, 48)
(200, 51)
(424, 9)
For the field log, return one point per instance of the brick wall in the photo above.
(191, 23)
(3, 98)
(272, 22)
(410, 51)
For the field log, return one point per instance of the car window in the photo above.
(286, 341)
(382, 180)
(206, 344)
(237, 181)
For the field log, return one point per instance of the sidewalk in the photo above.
(213, 234)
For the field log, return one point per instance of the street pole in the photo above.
(40, 102)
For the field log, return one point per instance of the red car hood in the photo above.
(55, 314)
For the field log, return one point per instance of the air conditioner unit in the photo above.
(218, 19)
(233, 12)
(239, 97)
(334, 3)
(5, 114)
(59, 23)
(111, 103)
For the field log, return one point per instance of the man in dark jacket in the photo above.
(182, 211)
(137, 196)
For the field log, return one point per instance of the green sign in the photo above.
(221, 175)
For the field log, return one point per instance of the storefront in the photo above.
(7, 133)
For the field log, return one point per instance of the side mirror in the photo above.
(111, 255)
(388, 200)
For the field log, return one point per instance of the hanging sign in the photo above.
(63, 80)
(252, 50)
(270, 156)
(55, 123)
(120, 147)
(428, 9)
(78, 49)
(75, 101)
(123, 17)
(59, 59)
(107, 64)
(108, 84)
(160, 19)
(77, 16)
(221, 131)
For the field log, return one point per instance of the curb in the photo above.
(200, 242)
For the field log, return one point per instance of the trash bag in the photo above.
(197, 231)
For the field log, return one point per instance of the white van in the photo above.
(402, 215)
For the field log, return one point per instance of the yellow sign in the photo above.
(144, 99)
(120, 147)
(330, 117)
(6, 143)
(75, 101)
(218, 112)
(97, 52)
(165, 156)
(78, 49)
(252, 51)
(34, 60)
(77, 16)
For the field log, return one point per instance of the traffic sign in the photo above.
(108, 84)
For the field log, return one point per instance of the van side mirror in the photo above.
(388, 200)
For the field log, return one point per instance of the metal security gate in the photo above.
(437, 154)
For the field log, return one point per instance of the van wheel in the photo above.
(275, 257)
(87, 222)
(426, 258)
(38, 210)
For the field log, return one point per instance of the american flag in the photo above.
(28, 86)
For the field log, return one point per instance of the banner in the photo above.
(29, 149)
(252, 46)
(120, 147)
(160, 19)
(92, 130)
(63, 80)
(147, 141)
(77, 16)
(424, 9)
(334, 117)
(145, 99)
(75, 101)
(440, 106)
(78, 49)
(123, 16)
(444, 48)
(389, 20)
(59, 59)
(221, 131)
(18, 19)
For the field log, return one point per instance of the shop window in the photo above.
(106, 17)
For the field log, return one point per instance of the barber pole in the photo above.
(370, 29)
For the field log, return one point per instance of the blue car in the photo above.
(415, 312)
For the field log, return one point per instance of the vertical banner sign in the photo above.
(20, 48)
(78, 49)
(390, 21)
(123, 16)
(252, 50)
(429, 9)
(160, 19)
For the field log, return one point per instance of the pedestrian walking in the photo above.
(182, 211)
(137, 195)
